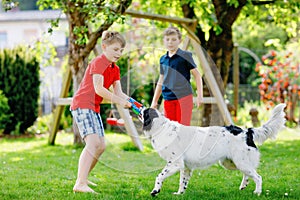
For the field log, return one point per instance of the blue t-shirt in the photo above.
(176, 71)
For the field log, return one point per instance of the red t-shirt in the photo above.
(86, 97)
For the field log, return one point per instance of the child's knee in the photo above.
(96, 146)
(99, 147)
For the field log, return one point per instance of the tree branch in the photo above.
(189, 12)
(94, 36)
(258, 3)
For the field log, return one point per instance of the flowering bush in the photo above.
(280, 81)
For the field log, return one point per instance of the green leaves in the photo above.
(9, 4)
(81, 33)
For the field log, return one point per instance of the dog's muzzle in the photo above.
(141, 114)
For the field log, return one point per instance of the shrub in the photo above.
(19, 81)
(280, 81)
(41, 125)
(4, 111)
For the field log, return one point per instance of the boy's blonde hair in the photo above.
(110, 37)
(172, 31)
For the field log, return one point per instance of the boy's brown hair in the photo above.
(172, 31)
(110, 37)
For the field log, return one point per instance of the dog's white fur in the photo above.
(186, 148)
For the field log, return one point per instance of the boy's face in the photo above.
(171, 42)
(113, 51)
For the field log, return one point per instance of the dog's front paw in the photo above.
(154, 192)
(257, 192)
(242, 187)
(178, 193)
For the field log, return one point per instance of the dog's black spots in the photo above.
(173, 153)
(149, 114)
(154, 192)
(249, 140)
(234, 129)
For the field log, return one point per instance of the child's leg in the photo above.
(95, 146)
(101, 150)
(185, 109)
(170, 109)
(91, 129)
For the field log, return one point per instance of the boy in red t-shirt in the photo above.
(100, 74)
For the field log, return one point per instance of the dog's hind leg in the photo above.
(258, 181)
(185, 175)
(244, 182)
(255, 176)
(170, 169)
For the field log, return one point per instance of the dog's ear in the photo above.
(148, 115)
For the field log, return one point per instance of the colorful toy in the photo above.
(136, 106)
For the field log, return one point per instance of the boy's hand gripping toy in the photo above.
(136, 106)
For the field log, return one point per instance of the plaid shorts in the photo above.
(88, 122)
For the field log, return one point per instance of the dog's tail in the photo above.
(271, 128)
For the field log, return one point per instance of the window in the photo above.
(3, 39)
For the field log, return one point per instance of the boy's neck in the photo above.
(172, 53)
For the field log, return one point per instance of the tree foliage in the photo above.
(87, 20)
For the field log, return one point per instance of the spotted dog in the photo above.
(186, 148)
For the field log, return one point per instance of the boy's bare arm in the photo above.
(118, 90)
(98, 80)
(199, 84)
(157, 92)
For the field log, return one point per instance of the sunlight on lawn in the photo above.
(20, 145)
(289, 134)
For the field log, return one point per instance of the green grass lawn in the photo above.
(30, 169)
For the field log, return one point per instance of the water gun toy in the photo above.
(136, 106)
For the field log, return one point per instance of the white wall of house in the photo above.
(27, 27)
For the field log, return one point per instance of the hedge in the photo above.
(19, 81)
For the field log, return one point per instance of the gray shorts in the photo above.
(88, 122)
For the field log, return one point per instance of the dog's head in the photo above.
(146, 117)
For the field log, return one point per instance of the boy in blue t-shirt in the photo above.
(174, 84)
